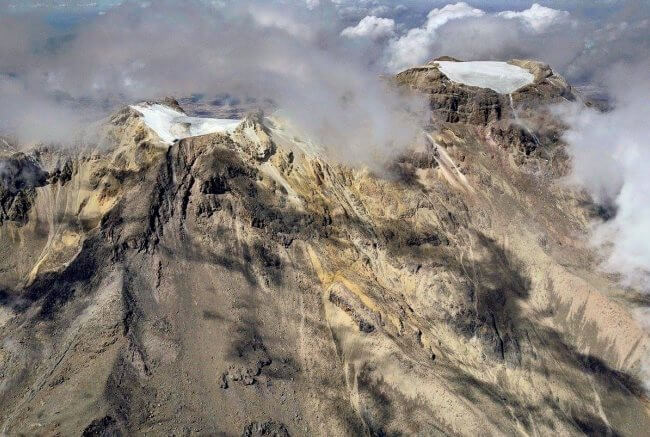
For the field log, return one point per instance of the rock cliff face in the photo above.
(455, 102)
(244, 284)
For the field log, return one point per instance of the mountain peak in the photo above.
(187, 240)
(460, 91)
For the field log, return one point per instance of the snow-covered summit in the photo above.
(171, 124)
(502, 77)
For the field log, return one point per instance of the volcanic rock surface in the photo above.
(241, 283)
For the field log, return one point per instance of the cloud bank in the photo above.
(415, 47)
(371, 27)
(611, 159)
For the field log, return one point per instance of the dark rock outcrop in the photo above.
(268, 428)
(19, 178)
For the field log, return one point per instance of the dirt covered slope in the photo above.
(242, 283)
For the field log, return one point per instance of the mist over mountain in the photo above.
(319, 217)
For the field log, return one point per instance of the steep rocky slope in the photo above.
(242, 283)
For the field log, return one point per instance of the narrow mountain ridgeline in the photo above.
(242, 283)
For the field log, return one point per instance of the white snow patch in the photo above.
(172, 125)
(501, 77)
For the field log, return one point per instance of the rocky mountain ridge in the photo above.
(243, 283)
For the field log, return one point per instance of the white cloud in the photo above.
(537, 17)
(371, 27)
(438, 17)
(610, 155)
(414, 47)
(273, 18)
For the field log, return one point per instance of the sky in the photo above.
(65, 63)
